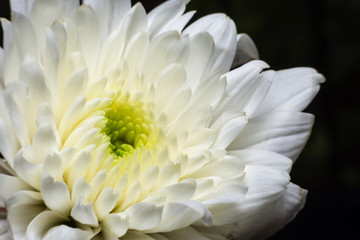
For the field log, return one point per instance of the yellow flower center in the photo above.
(129, 127)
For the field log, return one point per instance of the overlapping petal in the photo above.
(195, 150)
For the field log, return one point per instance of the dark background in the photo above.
(323, 34)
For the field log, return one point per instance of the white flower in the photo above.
(115, 123)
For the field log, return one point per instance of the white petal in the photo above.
(136, 235)
(223, 30)
(227, 167)
(44, 141)
(246, 88)
(46, 12)
(81, 189)
(102, 11)
(131, 195)
(148, 178)
(22, 207)
(186, 233)
(5, 232)
(291, 89)
(164, 50)
(8, 142)
(202, 48)
(252, 157)
(164, 14)
(79, 165)
(117, 11)
(21, 6)
(177, 104)
(10, 185)
(282, 132)
(32, 74)
(245, 50)
(182, 214)
(225, 207)
(2, 81)
(27, 171)
(18, 121)
(229, 126)
(42, 223)
(71, 116)
(274, 217)
(10, 53)
(179, 192)
(117, 223)
(89, 35)
(105, 202)
(170, 81)
(65, 232)
(134, 21)
(56, 195)
(144, 216)
(74, 87)
(22, 25)
(84, 213)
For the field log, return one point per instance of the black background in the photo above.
(323, 34)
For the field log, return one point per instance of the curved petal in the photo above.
(265, 223)
(21, 6)
(84, 214)
(42, 223)
(8, 142)
(282, 132)
(291, 90)
(105, 202)
(22, 208)
(164, 14)
(245, 50)
(182, 214)
(223, 30)
(56, 195)
(144, 216)
(5, 232)
(117, 223)
(65, 232)
(10, 185)
(186, 233)
(246, 89)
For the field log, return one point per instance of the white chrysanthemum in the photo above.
(120, 124)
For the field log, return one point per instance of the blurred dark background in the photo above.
(323, 34)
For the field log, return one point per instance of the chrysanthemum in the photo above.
(115, 123)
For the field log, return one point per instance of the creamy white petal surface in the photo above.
(117, 123)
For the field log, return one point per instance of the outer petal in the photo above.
(8, 142)
(245, 50)
(265, 223)
(65, 232)
(22, 207)
(21, 6)
(42, 223)
(291, 89)
(179, 215)
(144, 216)
(117, 223)
(223, 30)
(56, 195)
(185, 233)
(282, 132)
(246, 89)
(164, 14)
(10, 185)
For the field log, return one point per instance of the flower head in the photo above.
(115, 123)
